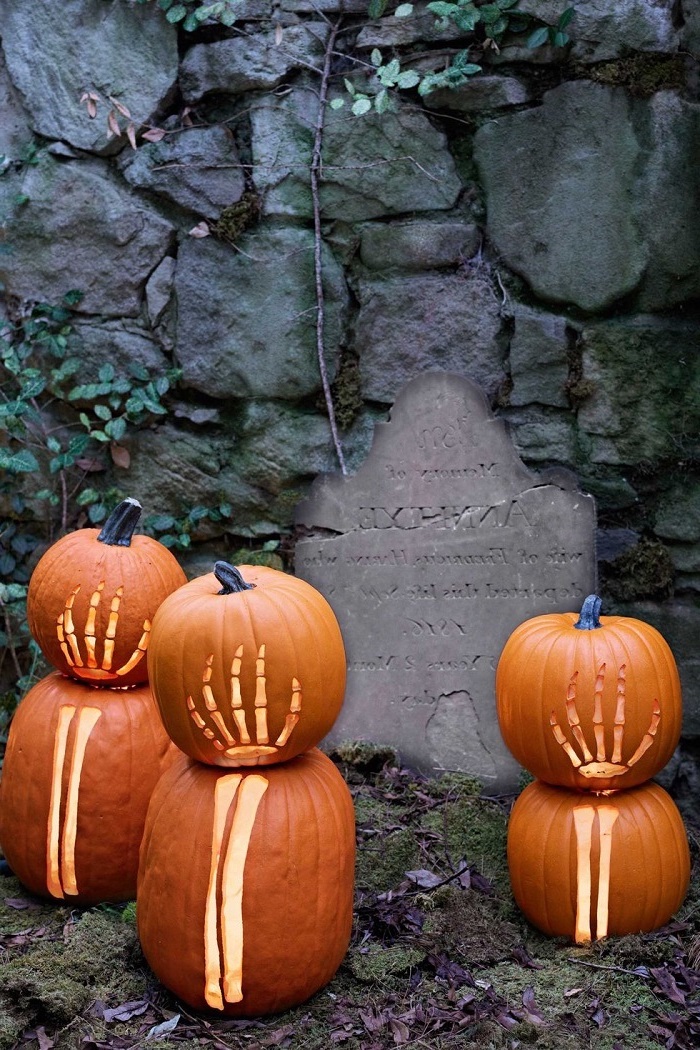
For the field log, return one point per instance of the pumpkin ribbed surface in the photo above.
(247, 678)
(80, 767)
(87, 594)
(584, 866)
(589, 709)
(245, 883)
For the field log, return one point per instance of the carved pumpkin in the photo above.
(80, 767)
(245, 883)
(93, 595)
(585, 866)
(592, 703)
(248, 667)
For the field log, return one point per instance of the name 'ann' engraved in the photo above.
(501, 515)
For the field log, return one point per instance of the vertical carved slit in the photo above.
(87, 719)
(250, 796)
(261, 699)
(583, 824)
(607, 815)
(619, 730)
(53, 876)
(598, 715)
(225, 792)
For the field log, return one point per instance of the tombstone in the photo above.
(431, 555)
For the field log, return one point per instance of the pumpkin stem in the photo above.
(589, 620)
(230, 579)
(118, 530)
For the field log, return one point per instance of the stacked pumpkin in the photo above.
(86, 746)
(592, 707)
(246, 874)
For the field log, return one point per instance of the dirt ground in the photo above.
(440, 955)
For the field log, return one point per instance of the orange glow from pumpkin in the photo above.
(88, 669)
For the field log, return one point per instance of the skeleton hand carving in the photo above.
(89, 669)
(586, 765)
(243, 749)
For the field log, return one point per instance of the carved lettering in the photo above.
(499, 515)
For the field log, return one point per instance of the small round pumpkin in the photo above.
(584, 866)
(246, 882)
(79, 770)
(247, 666)
(590, 702)
(93, 595)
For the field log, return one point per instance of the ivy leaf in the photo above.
(565, 18)
(403, 11)
(106, 373)
(102, 412)
(116, 428)
(408, 79)
(376, 8)
(381, 101)
(349, 86)
(337, 103)
(539, 37)
(176, 14)
(376, 57)
(22, 462)
(561, 39)
(87, 496)
(361, 106)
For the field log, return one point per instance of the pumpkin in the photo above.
(93, 595)
(245, 883)
(79, 770)
(592, 703)
(247, 666)
(584, 866)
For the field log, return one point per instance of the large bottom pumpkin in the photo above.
(585, 866)
(80, 767)
(246, 881)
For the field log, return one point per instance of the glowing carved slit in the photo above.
(60, 876)
(65, 631)
(246, 751)
(250, 794)
(607, 815)
(583, 823)
(601, 767)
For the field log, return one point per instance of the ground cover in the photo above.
(440, 955)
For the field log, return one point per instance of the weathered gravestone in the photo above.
(430, 555)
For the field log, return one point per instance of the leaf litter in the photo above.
(440, 956)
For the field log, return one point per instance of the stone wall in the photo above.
(536, 229)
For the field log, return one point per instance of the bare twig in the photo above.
(315, 174)
(599, 966)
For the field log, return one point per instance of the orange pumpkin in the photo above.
(247, 666)
(93, 595)
(245, 883)
(592, 703)
(79, 770)
(584, 865)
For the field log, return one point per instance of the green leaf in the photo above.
(490, 13)
(53, 444)
(270, 545)
(381, 101)
(539, 37)
(87, 496)
(177, 13)
(99, 435)
(162, 385)
(376, 8)
(197, 514)
(106, 373)
(102, 412)
(408, 79)
(403, 11)
(349, 86)
(498, 28)
(164, 4)
(138, 371)
(160, 522)
(33, 387)
(376, 57)
(444, 10)
(183, 539)
(226, 509)
(116, 428)
(565, 18)
(97, 513)
(84, 420)
(361, 106)
(337, 103)
(77, 445)
(505, 5)
(561, 39)
(228, 17)
(168, 540)
(44, 494)
(191, 23)
(22, 462)
(467, 20)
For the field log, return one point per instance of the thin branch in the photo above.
(599, 966)
(315, 174)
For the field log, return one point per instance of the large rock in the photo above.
(15, 135)
(246, 319)
(543, 437)
(122, 344)
(252, 62)
(197, 168)
(643, 378)
(372, 165)
(678, 514)
(125, 50)
(671, 175)
(417, 244)
(559, 180)
(480, 94)
(81, 229)
(417, 324)
(603, 30)
(573, 190)
(539, 361)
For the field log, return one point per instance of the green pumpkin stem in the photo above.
(230, 579)
(589, 620)
(118, 530)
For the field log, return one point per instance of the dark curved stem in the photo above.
(589, 620)
(230, 579)
(118, 530)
